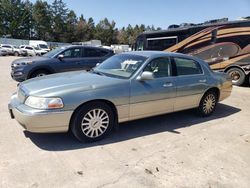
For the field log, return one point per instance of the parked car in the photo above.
(3, 52)
(11, 50)
(62, 59)
(40, 52)
(8, 48)
(16, 51)
(27, 51)
(125, 87)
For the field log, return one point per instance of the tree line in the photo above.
(22, 19)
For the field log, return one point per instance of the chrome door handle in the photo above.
(168, 84)
(203, 81)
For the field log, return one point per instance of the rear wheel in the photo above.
(238, 76)
(208, 103)
(16, 54)
(92, 122)
(39, 73)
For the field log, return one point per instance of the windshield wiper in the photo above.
(96, 72)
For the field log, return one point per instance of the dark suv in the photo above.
(62, 59)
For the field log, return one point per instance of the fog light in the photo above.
(18, 73)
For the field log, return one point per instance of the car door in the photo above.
(71, 60)
(92, 56)
(190, 83)
(156, 96)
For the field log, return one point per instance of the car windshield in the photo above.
(43, 46)
(120, 66)
(54, 52)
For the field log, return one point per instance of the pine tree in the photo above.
(42, 20)
(59, 12)
(71, 23)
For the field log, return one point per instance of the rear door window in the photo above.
(29, 48)
(91, 52)
(187, 67)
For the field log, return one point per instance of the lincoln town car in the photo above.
(124, 87)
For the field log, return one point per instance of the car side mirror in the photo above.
(60, 57)
(146, 75)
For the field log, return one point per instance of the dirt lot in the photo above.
(175, 150)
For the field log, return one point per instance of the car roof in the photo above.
(156, 54)
(6, 45)
(86, 46)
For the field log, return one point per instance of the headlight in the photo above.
(44, 103)
(26, 63)
(22, 63)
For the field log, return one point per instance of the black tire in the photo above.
(16, 54)
(39, 73)
(83, 126)
(208, 103)
(238, 76)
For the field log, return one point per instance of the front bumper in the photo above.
(39, 121)
(19, 73)
(18, 77)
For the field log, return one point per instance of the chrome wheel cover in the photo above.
(209, 103)
(95, 123)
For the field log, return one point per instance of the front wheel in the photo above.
(238, 76)
(92, 122)
(208, 103)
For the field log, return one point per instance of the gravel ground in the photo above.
(175, 150)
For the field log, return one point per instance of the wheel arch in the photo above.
(108, 102)
(234, 66)
(46, 68)
(214, 89)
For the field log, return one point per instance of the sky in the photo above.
(160, 13)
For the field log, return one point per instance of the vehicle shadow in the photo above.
(134, 129)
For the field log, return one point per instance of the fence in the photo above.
(18, 42)
(15, 42)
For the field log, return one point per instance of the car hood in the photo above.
(62, 83)
(29, 59)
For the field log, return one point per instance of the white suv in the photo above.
(11, 50)
(39, 51)
(27, 50)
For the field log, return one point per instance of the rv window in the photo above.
(161, 44)
(139, 45)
